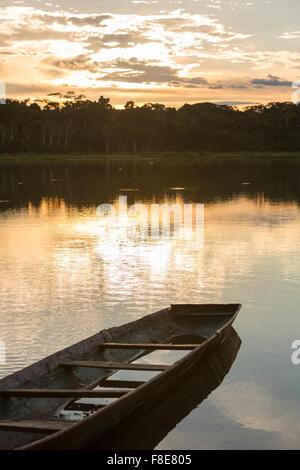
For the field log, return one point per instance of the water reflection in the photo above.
(62, 277)
(60, 266)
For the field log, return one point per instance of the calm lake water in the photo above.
(63, 276)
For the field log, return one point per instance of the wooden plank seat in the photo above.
(41, 427)
(176, 347)
(115, 365)
(59, 393)
(121, 383)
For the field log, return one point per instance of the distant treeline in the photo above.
(73, 124)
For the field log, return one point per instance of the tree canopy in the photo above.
(69, 123)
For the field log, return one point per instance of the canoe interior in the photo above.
(184, 324)
(176, 405)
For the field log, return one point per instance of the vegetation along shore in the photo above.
(77, 126)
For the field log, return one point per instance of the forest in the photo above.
(74, 124)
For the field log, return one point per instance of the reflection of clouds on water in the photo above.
(238, 415)
(257, 408)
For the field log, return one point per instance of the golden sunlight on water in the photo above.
(66, 274)
(57, 257)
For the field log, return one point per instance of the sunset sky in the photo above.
(168, 51)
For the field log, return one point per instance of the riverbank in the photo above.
(171, 156)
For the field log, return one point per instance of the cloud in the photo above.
(91, 20)
(291, 35)
(135, 49)
(135, 71)
(80, 62)
(174, 50)
(235, 103)
(271, 80)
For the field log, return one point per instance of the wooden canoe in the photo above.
(73, 398)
